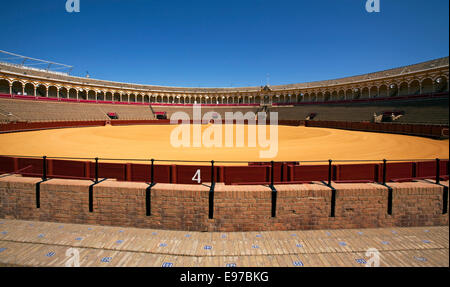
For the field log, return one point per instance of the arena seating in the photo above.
(431, 109)
(205, 109)
(423, 115)
(423, 110)
(45, 111)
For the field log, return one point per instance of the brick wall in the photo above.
(236, 208)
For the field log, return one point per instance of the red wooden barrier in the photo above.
(186, 173)
(281, 172)
(398, 170)
(398, 129)
(427, 169)
(436, 131)
(247, 174)
(357, 172)
(391, 128)
(109, 170)
(408, 129)
(142, 173)
(420, 130)
(47, 125)
(256, 172)
(6, 164)
(36, 165)
(67, 168)
(309, 172)
(139, 122)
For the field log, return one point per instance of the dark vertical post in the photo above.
(38, 185)
(148, 203)
(91, 198)
(333, 190)
(329, 172)
(153, 172)
(44, 168)
(390, 191)
(272, 173)
(211, 193)
(38, 195)
(91, 187)
(333, 202)
(274, 191)
(445, 201)
(96, 170)
(438, 171)
(445, 193)
(274, 202)
(212, 172)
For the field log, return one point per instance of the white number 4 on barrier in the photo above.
(197, 176)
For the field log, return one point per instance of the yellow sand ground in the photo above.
(153, 141)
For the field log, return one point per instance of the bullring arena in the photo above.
(361, 162)
(295, 143)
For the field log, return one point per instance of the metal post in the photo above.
(44, 168)
(390, 190)
(96, 170)
(91, 187)
(38, 184)
(211, 193)
(438, 171)
(272, 173)
(212, 172)
(329, 172)
(153, 172)
(148, 204)
(333, 190)
(274, 191)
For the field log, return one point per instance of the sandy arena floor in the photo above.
(153, 141)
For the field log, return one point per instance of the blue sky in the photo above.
(214, 43)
